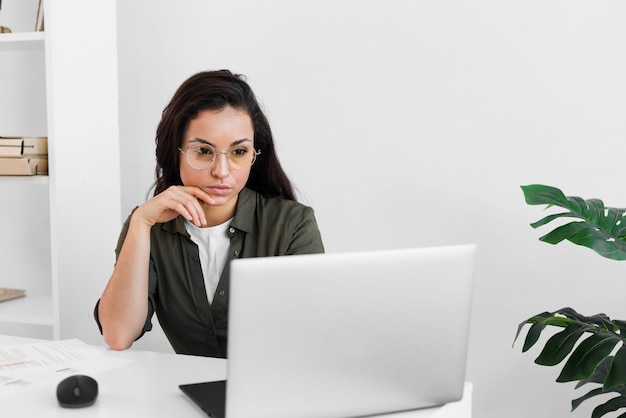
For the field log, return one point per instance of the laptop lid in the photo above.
(348, 334)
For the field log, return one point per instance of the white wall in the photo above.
(411, 123)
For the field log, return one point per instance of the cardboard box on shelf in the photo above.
(18, 146)
(23, 166)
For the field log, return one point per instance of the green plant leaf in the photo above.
(599, 374)
(532, 336)
(590, 361)
(611, 405)
(617, 372)
(561, 344)
(603, 322)
(621, 326)
(550, 218)
(598, 377)
(594, 392)
(537, 194)
(587, 356)
(564, 232)
(572, 314)
(588, 223)
(538, 323)
(600, 228)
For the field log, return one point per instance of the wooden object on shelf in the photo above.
(17, 146)
(39, 26)
(4, 29)
(8, 294)
(24, 166)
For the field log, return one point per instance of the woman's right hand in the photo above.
(176, 200)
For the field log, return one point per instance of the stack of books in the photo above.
(23, 156)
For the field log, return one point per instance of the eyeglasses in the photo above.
(203, 156)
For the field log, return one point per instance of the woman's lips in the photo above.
(218, 190)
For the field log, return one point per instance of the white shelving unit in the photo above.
(24, 221)
(58, 232)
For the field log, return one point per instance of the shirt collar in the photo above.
(244, 214)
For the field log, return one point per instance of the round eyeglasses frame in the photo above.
(226, 154)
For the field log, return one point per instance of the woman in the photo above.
(220, 194)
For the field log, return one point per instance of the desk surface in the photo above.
(148, 386)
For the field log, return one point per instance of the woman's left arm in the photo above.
(306, 238)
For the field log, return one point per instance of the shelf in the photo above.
(35, 310)
(18, 37)
(21, 41)
(24, 180)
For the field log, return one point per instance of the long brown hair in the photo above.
(215, 90)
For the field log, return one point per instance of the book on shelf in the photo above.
(19, 146)
(8, 294)
(24, 166)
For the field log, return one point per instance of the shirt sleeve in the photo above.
(306, 238)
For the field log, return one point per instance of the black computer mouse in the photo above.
(77, 391)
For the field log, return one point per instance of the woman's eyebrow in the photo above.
(204, 141)
(241, 141)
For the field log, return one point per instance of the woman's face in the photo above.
(230, 133)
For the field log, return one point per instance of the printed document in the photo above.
(30, 366)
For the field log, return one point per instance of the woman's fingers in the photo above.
(186, 203)
(200, 194)
(183, 200)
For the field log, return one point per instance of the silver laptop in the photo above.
(345, 334)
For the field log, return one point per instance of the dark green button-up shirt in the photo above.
(261, 227)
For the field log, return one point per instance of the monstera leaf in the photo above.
(600, 228)
(593, 345)
(590, 361)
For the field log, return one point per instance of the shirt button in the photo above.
(236, 252)
(231, 230)
(222, 292)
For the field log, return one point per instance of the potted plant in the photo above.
(590, 343)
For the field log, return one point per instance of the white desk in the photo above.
(148, 387)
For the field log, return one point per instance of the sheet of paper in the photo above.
(49, 362)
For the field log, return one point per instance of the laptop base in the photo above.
(209, 396)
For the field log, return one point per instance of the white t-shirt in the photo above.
(213, 244)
